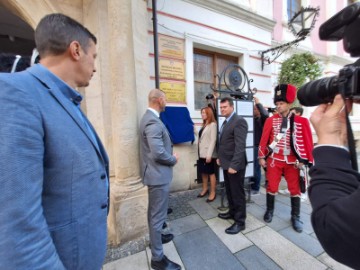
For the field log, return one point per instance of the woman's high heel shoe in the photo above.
(213, 199)
(203, 195)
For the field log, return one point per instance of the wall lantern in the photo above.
(300, 25)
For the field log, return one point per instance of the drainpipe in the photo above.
(156, 50)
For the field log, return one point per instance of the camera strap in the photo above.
(349, 133)
(351, 141)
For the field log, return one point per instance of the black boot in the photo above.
(270, 200)
(295, 214)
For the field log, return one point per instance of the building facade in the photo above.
(197, 39)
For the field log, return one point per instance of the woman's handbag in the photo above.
(198, 173)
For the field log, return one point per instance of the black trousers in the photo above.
(234, 186)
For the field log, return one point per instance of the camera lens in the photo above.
(318, 92)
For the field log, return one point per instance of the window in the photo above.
(293, 6)
(206, 66)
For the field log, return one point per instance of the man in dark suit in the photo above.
(54, 174)
(157, 162)
(232, 159)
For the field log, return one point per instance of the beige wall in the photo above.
(113, 97)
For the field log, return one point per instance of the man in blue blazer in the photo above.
(54, 169)
(157, 161)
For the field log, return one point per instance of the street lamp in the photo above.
(300, 25)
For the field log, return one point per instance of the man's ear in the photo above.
(75, 50)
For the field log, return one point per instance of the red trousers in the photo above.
(275, 169)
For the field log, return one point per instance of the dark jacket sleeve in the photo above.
(263, 113)
(335, 197)
(238, 161)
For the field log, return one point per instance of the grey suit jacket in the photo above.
(156, 151)
(52, 177)
(232, 143)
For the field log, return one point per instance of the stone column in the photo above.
(127, 218)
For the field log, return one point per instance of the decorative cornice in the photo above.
(236, 11)
(341, 61)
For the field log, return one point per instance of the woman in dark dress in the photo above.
(207, 153)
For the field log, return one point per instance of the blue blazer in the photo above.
(53, 176)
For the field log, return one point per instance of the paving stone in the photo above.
(307, 226)
(258, 212)
(259, 199)
(205, 210)
(283, 198)
(282, 210)
(334, 265)
(252, 223)
(233, 242)
(202, 250)
(252, 258)
(255, 210)
(303, 240)
(187, 224)
(137, 261)
(282, 251)
(306, 208)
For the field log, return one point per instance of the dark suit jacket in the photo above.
(232, 143)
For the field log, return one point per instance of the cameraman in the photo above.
(334, 191)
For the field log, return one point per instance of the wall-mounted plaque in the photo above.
(171, 47)
(175, 91)
(171, 69)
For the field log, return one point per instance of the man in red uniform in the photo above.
(286, 145)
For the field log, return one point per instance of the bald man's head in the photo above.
(155, 94)
(157, 100)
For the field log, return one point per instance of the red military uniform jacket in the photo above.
(301, 138)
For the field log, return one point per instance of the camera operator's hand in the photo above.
(329, 121)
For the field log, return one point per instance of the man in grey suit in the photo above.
(157, 163)
(232, 159)
(53, 167)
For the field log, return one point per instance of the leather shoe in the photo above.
(202, 195)
(211, 200)
(169, 211)
(225, 215)
(166, 238)
(164, 264)
(235, 228)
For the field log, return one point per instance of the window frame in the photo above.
(215, 58)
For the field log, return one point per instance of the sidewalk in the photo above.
(200, 241)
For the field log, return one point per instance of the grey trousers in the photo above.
(157, 212)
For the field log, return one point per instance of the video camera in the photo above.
(271, 110)
(343, 25)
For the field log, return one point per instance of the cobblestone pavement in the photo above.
(201, 243)
(178, 202)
